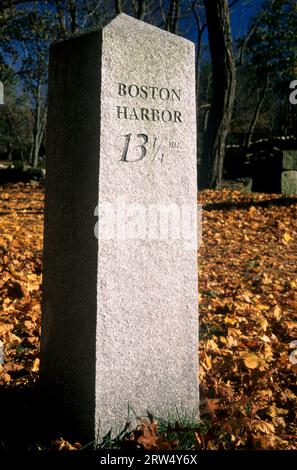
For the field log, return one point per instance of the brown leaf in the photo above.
(147, 438)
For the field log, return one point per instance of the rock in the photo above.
(289, 182)
(290, 159)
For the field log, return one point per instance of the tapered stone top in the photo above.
(124, 23)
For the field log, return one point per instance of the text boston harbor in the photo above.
(149, 93)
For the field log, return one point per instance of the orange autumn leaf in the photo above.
(286, 238)
(251, 361)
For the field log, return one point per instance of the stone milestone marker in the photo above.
(120, 313)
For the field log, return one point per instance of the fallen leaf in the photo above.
(35, 367)
(251, 360)
(286, 238)
(263, 426)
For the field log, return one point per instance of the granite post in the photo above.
(289, 182)
(289, 176)
(120, 302)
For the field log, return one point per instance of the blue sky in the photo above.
(241, 15)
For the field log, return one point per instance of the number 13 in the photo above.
(142, 147)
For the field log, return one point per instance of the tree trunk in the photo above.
(9, 151)
(118, 6)
(254, 121)
(141, 9)
(39, 138)
(9, 132)
(172, 16)
(61, 19)
(39, 128)
(72, 14)
(200, 32)
(223, 92)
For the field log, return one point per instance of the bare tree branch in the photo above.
(244, 44)
(162, 10)
(257, 111)
(90, 13)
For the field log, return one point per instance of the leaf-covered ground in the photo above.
(248, 308)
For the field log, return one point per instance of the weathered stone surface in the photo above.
(289, 182)
(290, 159)
(120, 320)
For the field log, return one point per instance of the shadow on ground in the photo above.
(228, 206)
(25, 420)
